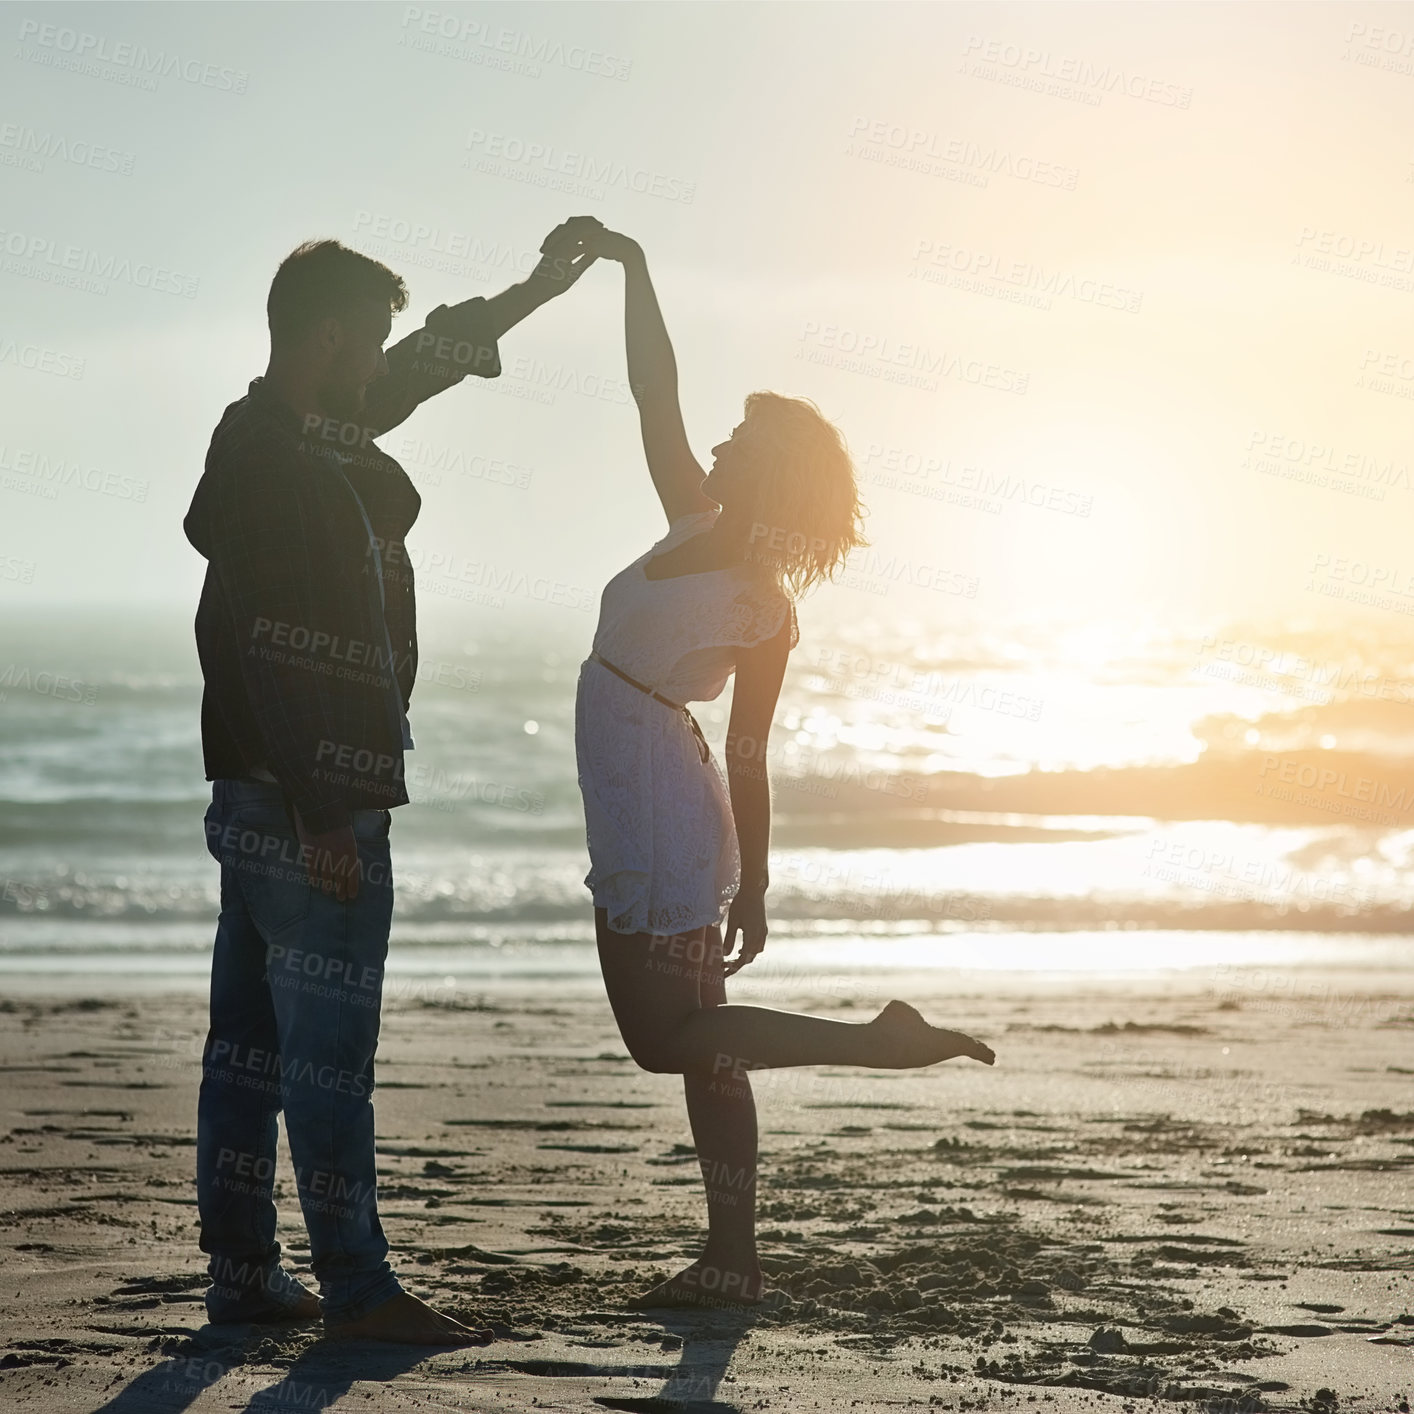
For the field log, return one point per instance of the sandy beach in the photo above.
(1190, 1189)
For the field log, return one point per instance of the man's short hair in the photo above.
(324, 279)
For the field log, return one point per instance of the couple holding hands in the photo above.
(306, 631)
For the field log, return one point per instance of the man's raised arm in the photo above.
(460, 340)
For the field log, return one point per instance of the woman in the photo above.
(673, 840)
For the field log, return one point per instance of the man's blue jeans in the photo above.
(296, 988)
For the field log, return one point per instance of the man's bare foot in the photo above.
(405, 1320)
(305, 1309)
(706, 1284)
(906, 1041)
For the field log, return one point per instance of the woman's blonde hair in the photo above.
(807, 515)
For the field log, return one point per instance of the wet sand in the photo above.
(1164, 1191)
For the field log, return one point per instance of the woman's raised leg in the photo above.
(676, 1033)
(668, 997)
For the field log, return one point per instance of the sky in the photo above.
(1111, 302)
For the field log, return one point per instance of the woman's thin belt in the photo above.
(703, 749)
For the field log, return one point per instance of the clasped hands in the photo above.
(572, 247)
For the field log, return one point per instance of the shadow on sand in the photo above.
(320, 1374)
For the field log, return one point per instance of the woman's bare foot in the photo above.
(706, 1283)
(405, 1320)
(905, 1041)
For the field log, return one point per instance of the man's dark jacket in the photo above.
(298, 673)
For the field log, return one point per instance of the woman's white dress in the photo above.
(658, 819)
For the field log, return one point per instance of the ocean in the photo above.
(1016, 797)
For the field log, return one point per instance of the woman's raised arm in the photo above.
(653, 380)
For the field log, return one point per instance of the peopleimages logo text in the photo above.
(158, 63)
(42, 251)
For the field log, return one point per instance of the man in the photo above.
(307, 636)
